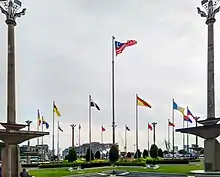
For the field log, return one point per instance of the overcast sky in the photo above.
(63, 53)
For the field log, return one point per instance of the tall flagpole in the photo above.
(113, 90)
(187, 138)
(148, 139)
(58, 139)
(53, 149)
(173, 127)
(101, 135)
(42, 143)
(38, 139)
(136, 122)
(168, 130)
(125, 139)
(183, 134)
(90, 127)
(79, 135)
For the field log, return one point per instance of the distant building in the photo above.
(95, 146)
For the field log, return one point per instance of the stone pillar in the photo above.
(211, 155)
(11, 159)
(11, 100)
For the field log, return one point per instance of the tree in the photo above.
(160, 152)
(97, 155)
(128, 155)
(165, 152)
(72, 156)
(154, 151)
(113, 154)
(145, 153)
(88, 155)
(137, 155)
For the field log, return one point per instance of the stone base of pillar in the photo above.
(11, 158)
(211, 155)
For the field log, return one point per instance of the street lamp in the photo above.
(28, 122)
(154, 131)
(73, 134)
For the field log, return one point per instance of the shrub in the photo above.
(92, 165)
(97, 155)
(128, 155)
(72, 156)
(160, 152)
(182, 151)
(154, 151)
(131, 163)
(137, 155)
(168, 161)
(113, 154)
(88, 155)
(145, 153)
(29, 165)
(58, 165)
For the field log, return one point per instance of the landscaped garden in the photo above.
(96, 165)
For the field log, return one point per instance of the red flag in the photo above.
(103, 129)
(150, 126)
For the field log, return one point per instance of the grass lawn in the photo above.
(181, 169)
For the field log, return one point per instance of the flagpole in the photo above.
(38, 137)
(42, 143)
(183, 134)
(148, 140)
(187, 137)
(168, 131)
(53, 149)
(113, 91)
(58, 139)
(79, 134)
(173, 127)
(136, 122)
(101, 135)
(90, 127)
(125, 139)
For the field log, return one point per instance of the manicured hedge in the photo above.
(92, 165)
(143, 164)
(168, 161)
(29, 165)
(58, 165)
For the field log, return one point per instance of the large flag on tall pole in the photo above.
(126, 129)
(117, 48)
(57, 112)
(139, 102)
(149, 128)
(91, 104)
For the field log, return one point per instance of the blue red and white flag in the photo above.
(189, 113)
(186, 118)
(120, 46)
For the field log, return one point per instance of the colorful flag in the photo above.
(170, 124)
(150, 126)
(120, 46)
(60, 128)
(55, 109)
(141, 102)
(44, 122)
(38, 117)
(176, 107)
(189, 113)
(93, 104)
(186, 118)
(126, 127)
(103, 129)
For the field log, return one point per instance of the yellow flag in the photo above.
(55, 109)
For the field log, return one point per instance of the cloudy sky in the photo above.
(63, 53)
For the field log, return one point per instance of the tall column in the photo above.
(73, 135)
(154, 132)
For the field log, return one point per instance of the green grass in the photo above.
(181, 169)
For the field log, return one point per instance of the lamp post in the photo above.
(154, 131)
(28, 122)
(73, 134)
